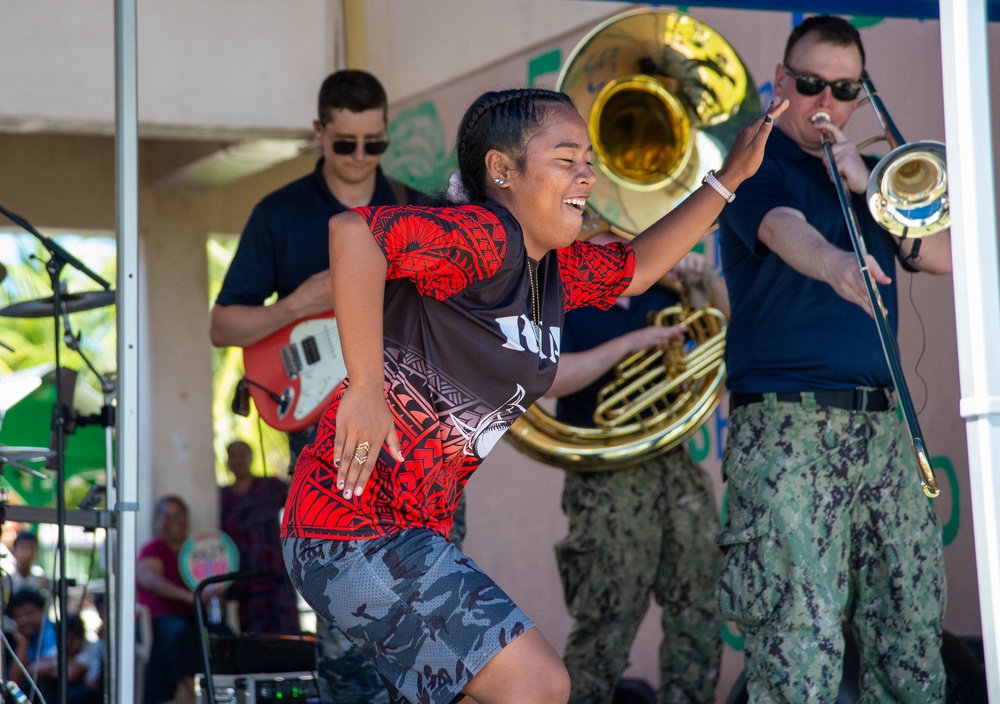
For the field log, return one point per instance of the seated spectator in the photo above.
(8, 533)
(26, 573)
(35, 637)
(79, 660)
(94, 656)
(175, 654)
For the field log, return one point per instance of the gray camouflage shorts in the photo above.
(419, 609)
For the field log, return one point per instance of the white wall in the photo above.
(225, 66)
(219, 65)
(415, 45)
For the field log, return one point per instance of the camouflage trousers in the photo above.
(827, 520)
(636, 532)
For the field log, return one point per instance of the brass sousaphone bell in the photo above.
(664, 96)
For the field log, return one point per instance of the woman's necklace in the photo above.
(536, 306)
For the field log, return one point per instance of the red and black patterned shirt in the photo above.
(462, 361)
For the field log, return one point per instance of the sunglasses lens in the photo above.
(844, 91)
(344, 146)
(809, 85)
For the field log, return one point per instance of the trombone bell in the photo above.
(908, 190)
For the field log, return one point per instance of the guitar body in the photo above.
(293, 372)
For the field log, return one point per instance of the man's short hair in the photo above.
(26, 595)
(830, 29)
(26, 536)
(352, 90)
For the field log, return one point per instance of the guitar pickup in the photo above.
(291, 361)
(311, 350)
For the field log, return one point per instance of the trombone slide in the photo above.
(927, 480)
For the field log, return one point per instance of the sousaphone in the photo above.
(664, 96)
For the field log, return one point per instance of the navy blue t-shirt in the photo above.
(586, 328)
(287, 238)
(790, 332)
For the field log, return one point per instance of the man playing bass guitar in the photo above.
(284, 249)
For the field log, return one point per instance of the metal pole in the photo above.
(123, 497)
(965, 69)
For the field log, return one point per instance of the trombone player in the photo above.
(826, 521)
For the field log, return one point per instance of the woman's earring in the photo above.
(499, 181)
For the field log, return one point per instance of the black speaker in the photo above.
(254, 653)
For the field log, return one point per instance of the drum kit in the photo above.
(58, 307)
(43, 308)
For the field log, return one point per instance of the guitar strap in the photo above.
(399, 190)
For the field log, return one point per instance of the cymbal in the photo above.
(71, 303)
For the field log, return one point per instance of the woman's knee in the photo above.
(527, 671)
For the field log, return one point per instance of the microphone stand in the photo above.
(58, 259)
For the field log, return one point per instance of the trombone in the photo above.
(908, 196)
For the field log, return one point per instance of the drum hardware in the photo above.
(14, 456)
(58, 259)
(3, 275)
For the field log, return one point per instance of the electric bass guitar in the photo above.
(293, 372)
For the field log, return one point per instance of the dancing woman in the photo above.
(449, 321)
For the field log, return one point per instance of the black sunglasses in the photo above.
(373, 147)
(808, 84)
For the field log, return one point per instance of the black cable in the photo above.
(923, 346)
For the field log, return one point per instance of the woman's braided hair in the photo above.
(502, 120)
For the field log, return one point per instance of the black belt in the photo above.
(860, 399)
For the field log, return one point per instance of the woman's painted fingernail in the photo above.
(340, 484)
(347, 494)
(336, 463)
